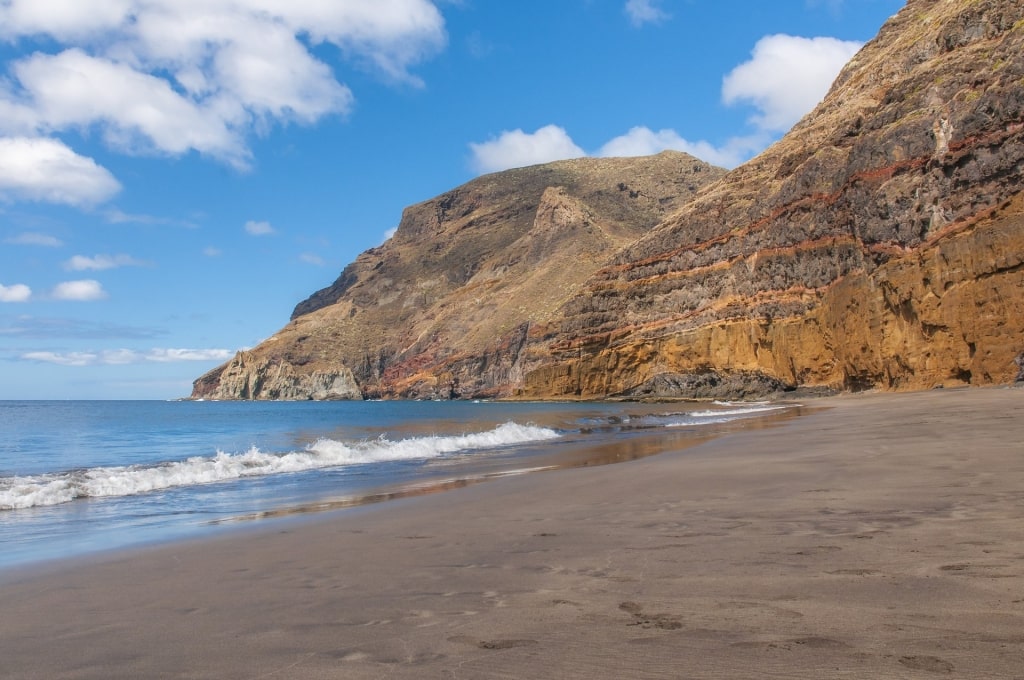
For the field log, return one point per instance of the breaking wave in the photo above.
(56, 488)
(740, 412)
(733, 412)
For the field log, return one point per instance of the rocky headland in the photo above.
(444, 308)
(879, 244)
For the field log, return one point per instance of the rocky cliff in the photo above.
(443, 308)
(879, 244)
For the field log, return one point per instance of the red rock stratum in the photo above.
(878, 244)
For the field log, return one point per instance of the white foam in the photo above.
(754, 408)
(726, 415)
(52, 489)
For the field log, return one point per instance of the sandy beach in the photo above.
(880, 536)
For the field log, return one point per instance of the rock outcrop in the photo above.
(251, 377)
(878, 244)
(444, 307)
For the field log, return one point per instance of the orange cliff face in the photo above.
(878, 244)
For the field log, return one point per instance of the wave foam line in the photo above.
(737, 411)
(53, 489)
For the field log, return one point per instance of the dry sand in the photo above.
(879, 537)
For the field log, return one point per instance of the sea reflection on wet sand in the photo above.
(635, 445)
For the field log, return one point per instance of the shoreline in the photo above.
(877, 536)
(568, 436)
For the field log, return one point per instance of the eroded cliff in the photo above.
(443, 308)
(879, 244)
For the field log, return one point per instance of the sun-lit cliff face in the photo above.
(879, 244)
(444, 307)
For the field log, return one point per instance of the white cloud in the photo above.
(390, 233)
(169, 355)
(112, 357)
(85, 290)
(63, 359)
(261, 228)
(515, 149)
(174, 76)
(642, 141)
(31, 238)
(642, 12)
(312, 258)
(137, 112)
(100, 262)
(41, 169)
(62, 19)
(210, 251)
(18, 292)
(786, 77)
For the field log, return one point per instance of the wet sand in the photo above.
(881, 536)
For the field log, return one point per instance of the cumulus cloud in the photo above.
(642, 141)
(254, 228)
(18, 292)
(85, 290)
(42, 169)
(786, 77)
(170, 77)
(100, 262)
(31, 238)
(642, 12)
(515, 149)
(113, 357)
(135, 111)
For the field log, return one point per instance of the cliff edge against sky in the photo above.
(878, 244)
(443, 308)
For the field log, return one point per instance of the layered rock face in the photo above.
(251, 377)
(879, 244)
(443, 309)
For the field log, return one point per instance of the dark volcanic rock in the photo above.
(710, 385)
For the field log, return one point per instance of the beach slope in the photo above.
(878, 536)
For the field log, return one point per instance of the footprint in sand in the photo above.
(492, 644)
(927, 663)
(661, 621)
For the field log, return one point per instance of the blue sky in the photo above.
(175, 175)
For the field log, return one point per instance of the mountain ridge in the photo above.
(879, 244)
(770, 270)
(435, 311)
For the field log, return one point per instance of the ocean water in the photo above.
(77, 477)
